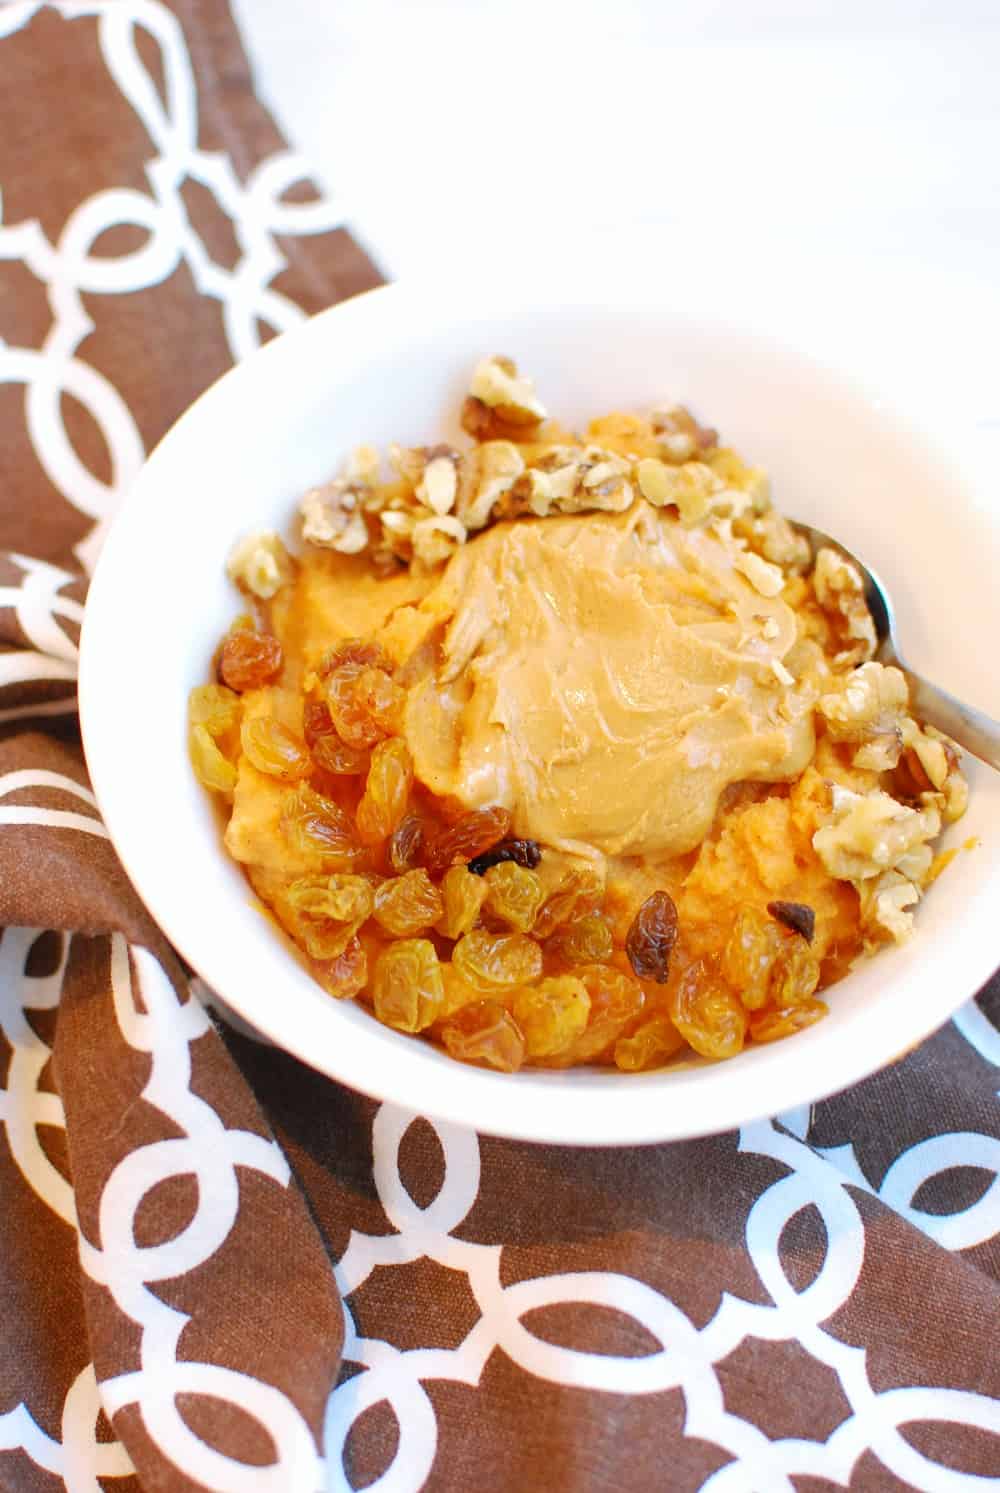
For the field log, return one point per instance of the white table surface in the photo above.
(836, 165)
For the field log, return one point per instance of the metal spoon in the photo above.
(973, 729)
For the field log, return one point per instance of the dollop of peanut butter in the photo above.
(605, 677)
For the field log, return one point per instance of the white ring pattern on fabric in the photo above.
(688, 1356)
(68, 269)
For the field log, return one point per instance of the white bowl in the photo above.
(392, 365)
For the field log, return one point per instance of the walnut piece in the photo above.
(869, 833)
(571, 479)
(881, 753)
(332, 518)
(485, 475)
(770, 535)
(496, 383)
(438, 487)
(693, 488)
(436, 539)
(764, 577)
(260, 564)
(681, 436)
(871, 701)
(884, 904)
(840, 590)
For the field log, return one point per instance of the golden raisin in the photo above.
(387, 791)
(580, 893)
(752, 947)
(328, 751)
(551, 1014)
(211, 768)
(321, 938)
(770, 1026)
(362, 652)
(316, 722)
(583, 940)
(249, 660)
(707, 1014)
(214, 707)
(407, 986)
(464, 895)
(468, 837)
(497, 959)
(347, 974)
(515, 894)
(340, 896)
(408, 904)
(484, 1033)
(650, 1045)
(381, 698)
(457, 992)
(406, 844)
(273, 749)
(651, 938)
(615, 999)
(315, 826)
(796, 974)
(336, 757)
(364, 704)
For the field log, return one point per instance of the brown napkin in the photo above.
(199, 1238)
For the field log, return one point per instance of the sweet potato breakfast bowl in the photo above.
(394, 366)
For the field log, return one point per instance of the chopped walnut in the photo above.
(764, 577)
(655, 481)
(930, 770)
(436, 539)
(495, 383)
(602, 483)
(694, 488)
(883, 907)
(870, 833)
(840, 590)
(260, 564)
(438, 486)
(408, 462)
(681, 437)
(881, 753)
(570, 479)
(955, 788)
(332, 518)
(956, 797)
(868, 706)
(932, 757)
(771, 535)
(916, 863)
(485, 475)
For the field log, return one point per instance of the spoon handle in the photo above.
(973, 729)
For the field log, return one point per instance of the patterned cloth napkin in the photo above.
(218, 1270)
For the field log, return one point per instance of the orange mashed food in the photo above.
(564, 750)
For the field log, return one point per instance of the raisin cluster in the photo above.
(445, 924)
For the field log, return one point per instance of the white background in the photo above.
(836, 165)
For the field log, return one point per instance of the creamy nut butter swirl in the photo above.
(564, 749)
(604, 678)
